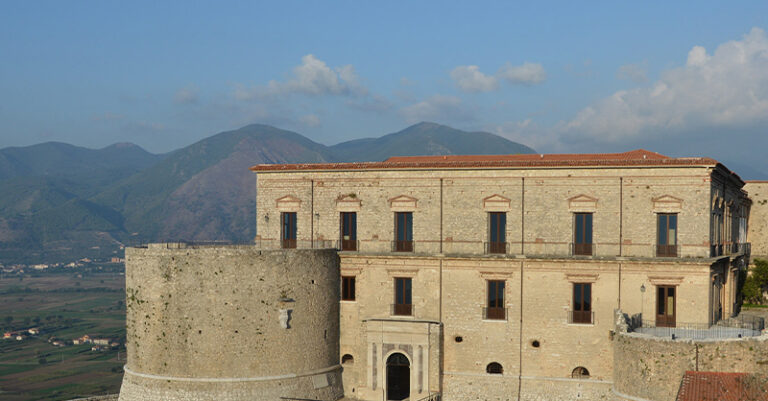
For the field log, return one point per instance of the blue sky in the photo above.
(681, 78)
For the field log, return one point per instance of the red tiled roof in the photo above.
(637, 157)
(719, 386)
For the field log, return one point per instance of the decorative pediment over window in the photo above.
(348, 203)
(667, 204)
(403, 203)
(288, 203)
(582, 203)
(496, 203)
(581, 277)
(665, 280)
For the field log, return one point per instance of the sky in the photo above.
(680, 78)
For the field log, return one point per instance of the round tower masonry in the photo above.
(231, 322)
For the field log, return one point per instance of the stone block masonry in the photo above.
(209, 323)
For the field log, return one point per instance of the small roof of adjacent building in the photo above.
(719, 386)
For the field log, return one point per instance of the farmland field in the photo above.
(64, 305)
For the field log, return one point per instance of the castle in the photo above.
(533, 277)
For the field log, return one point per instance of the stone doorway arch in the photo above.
(398, 377)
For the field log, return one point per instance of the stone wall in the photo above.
(758, 218)
(651, 368)
(205, 323)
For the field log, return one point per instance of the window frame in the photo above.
(403, 305)
(349, 288)
(585, 220)
(288, 230)
(348, 222)
(665, 248)
(497, 220)
(581, 311)
(495, 305)
(404, 243)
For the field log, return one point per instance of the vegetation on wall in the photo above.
(756, 283)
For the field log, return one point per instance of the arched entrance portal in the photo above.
(398, 377)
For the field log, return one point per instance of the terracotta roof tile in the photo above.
(637, 157)
(719, 386)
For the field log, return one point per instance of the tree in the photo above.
(756, 283)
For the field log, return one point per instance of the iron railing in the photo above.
(496, 247)
(737, 327)
(494, 313)
(667, 251)
(402, 246)
(402, 309)
(431, 397)
(348, 245)
(582, 249)
(581, 317)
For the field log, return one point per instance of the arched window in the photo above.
(494, 368)
(347, 359)
(580, 373)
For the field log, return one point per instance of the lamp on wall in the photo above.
(266, 217)
(642, 287)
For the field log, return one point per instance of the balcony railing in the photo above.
(494, 313)
(744, 248)
(496, 247)
(581, 317)
(582, 249)
(348, 245)
(737, 327)
(402, 246)
(667, 251)
(402, 309)
(295, 244)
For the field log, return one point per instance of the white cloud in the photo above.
(727, 89)
(188, 95)
(437, 108)
(527, 73)
(310, 120)
(314, 77)
(470, 79)
(634, 72)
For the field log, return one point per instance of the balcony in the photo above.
(402, 310)
(582, 249)
(667, 251)
(402, 246)
(294, 244)
(494, 313)
(737, 327)
(348, 245)
(581, 317)
(496, 247)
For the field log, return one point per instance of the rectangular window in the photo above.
(348, 288)
(667, 237)
(288, 234)
(403, 232)
(582, 303)
(348, 231)
(495, 309)
(582, 234)
(497, 234)
(665, 306)
(403, 304)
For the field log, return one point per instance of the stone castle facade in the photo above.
(458, 278)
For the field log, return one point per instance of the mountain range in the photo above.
(60, 202)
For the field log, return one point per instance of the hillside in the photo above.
(60, 202)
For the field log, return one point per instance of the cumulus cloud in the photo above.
(634, 72)
(725, 89)
(470, 79)
(188, 95)
(314, 77)
(437, 108)
(310, 120)
(527, 73)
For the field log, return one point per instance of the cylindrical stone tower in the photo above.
(231, 323)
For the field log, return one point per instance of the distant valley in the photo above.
(59, 202)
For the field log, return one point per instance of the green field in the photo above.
(63, 305)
